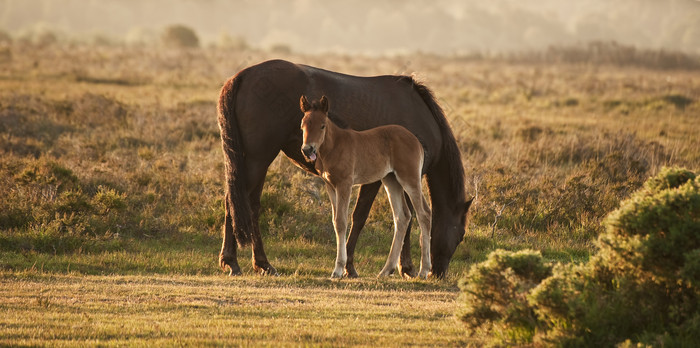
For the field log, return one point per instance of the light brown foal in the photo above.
(344, 157)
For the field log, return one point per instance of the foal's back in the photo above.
(386, 149)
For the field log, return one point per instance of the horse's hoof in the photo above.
(265, 270)
(270, 271)
(424, 275)
(350, 272)
(271, 274)
(407, 272)
(234, 272)
(336, 275)
(234, 269)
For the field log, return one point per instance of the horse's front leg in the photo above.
(406, 268)
(359, 216)
(340, 224)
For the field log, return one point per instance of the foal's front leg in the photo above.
(340, 198)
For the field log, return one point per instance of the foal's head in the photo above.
(313, 125)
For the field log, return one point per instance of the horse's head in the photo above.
(313, 125)
(454, 226)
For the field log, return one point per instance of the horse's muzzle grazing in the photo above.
(309, 152)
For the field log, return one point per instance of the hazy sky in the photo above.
(443, 26)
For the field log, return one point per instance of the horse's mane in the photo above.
(449, 144)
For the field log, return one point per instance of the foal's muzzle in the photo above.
(309, 152)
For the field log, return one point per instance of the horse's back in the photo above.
(268, 112)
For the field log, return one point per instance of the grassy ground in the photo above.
(111, 177)
(211, 310)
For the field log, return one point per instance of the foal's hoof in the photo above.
(385, 273)
(425, 275)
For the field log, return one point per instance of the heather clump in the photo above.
(641, 285)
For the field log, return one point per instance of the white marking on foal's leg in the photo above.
(340, 224)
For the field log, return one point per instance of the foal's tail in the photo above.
(237, 203)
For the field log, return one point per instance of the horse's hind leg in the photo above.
(228, 255)
(402, 217)
(359, 216)
(260, 263)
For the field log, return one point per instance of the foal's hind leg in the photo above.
(401, 219)
(424, 220)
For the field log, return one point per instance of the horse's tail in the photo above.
(237, 203)
(449, 155)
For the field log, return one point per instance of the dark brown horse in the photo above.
(346, 157)
(259, 116)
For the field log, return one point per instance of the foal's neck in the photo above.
(334, 134)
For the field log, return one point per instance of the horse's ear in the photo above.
(324, 104)
(304, 104)
(468, 205)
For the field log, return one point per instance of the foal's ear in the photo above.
(324, 104)
(304, 104)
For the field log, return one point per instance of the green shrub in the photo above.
(496, 294)
(107, 200)
(641, 286)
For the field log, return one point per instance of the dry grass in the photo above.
(69, 310)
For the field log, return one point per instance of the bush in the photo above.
(496, 294)
(642, 285)
(179, 36)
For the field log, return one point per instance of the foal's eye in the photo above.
(323, 126)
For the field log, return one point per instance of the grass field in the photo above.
(111, 178)
(213, 310)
